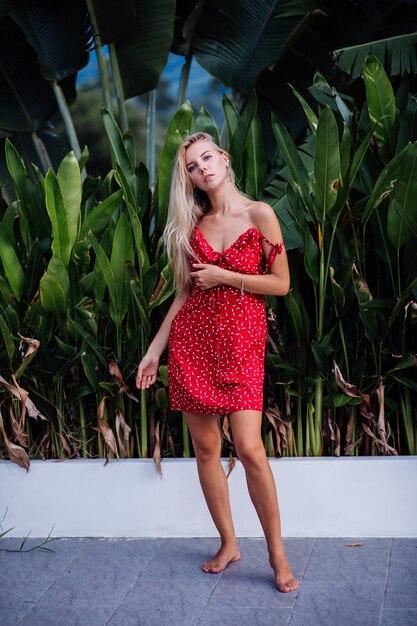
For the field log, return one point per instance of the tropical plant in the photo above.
(351, 308)
(85, 283)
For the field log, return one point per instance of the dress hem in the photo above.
(211, 411)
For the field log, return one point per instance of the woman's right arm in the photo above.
(148, 367)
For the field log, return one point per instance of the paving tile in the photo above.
(404, 549)
(401, 591)
(332, 561)
(244, 617)
(181, 559)
(244, 585)
(255, 554)
(399, 617)
(100, 575)
(338, 604)
(25, 576)
(203, 547)
(13, 611)
(67, 616)
(165, 603)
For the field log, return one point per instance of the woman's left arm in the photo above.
(277, 282)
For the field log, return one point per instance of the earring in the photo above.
(228, 177)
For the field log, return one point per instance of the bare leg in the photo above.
(246, 427)
(207, 445)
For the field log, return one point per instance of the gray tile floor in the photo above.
(158, 582)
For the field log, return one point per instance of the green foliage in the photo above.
(84, 272)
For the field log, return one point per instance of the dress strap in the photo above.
(276, 248)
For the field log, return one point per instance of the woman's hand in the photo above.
(147, 371)
(207, 275)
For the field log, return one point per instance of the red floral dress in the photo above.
(216, 346)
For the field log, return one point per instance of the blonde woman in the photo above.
(219, 243)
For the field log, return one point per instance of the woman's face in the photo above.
(206, 165)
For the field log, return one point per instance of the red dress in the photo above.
(216, 346)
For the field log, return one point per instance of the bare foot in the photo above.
(284, 579)
(227, 554)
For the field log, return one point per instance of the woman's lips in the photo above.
(208, 177)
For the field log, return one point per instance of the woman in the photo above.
(219, 244)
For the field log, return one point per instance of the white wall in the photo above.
(318, 497)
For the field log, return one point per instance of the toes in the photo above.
(290, 585)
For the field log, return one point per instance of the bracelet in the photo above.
(241, 286)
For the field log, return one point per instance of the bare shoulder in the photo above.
(264, 218)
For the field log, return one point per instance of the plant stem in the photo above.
(150, 134)
(42, 152)
(83, 431)
(68, 123)
(124, 124)
(185, 73)
(409, 428)
(102, 65)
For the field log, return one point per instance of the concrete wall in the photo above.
(318, 497)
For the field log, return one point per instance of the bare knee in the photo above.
(252, 455)
(206, 451)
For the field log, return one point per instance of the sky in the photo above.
(198, 91)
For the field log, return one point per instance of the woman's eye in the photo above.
(208, 156)
(190, 169)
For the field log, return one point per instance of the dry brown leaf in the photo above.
(114, 370)
(361, 282)
(120, 422)
(108, 436)
(106, 431)
(33, 345)
(353, 545)
(226, 429)
(19, 434)
(16, 453)
(65, 444)
(232, 463)
(157, 450)
(31, 408)
(413, 314)
(334, 433)
(349, 430)
(381, 424)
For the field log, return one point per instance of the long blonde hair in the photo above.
(187, 205)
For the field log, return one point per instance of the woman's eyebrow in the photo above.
(192, 162)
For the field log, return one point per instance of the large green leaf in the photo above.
(54, 287)
(11, 265)
(326, 163)
(384, 184)
(69, 180)
(61, 243)
(33, 217)
(293, 160)
(381, 106)
(7, 335)
(178, 128)
(403, 200)
(26, 98)
(236, 42)
(397, 54)
(113, 20)
(239, 138)
(100, 216)
(143, 51)
(122, 253)
(58, 31)
(255, 160)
